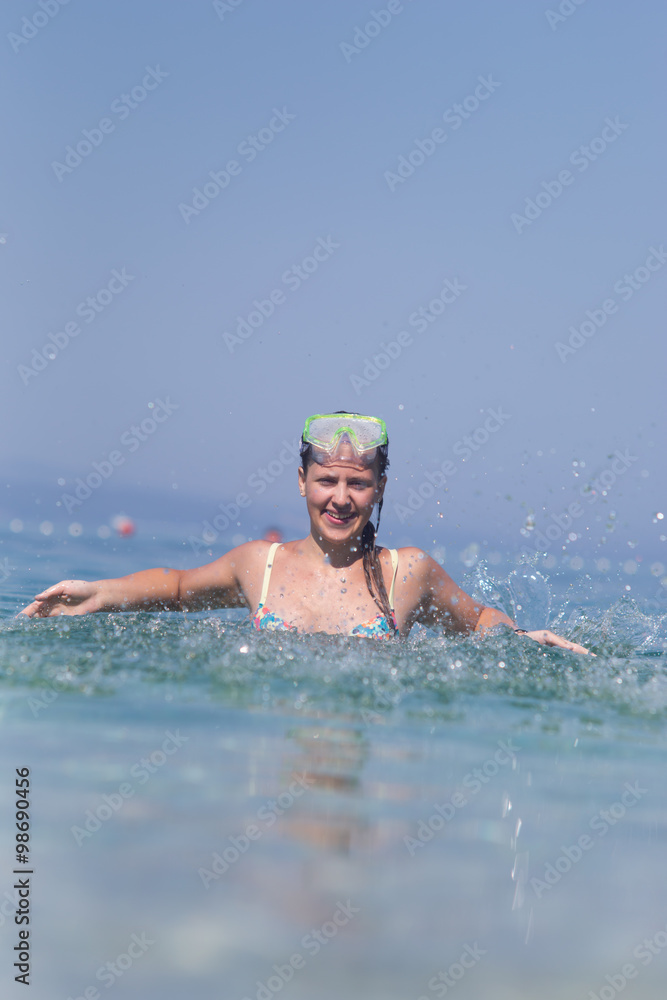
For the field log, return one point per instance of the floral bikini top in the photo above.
(377, 628)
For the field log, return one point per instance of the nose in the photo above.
(341, 496)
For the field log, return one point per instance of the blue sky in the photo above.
(311, 213)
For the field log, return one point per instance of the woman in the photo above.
(336, 580)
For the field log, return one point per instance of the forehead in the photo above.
(342, 470)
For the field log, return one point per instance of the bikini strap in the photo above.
(267, 572)
(394, 562)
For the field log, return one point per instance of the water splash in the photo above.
(531, 597)
(226, 661)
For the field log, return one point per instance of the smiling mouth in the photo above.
(339, 518)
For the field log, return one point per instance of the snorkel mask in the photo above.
(344, 437)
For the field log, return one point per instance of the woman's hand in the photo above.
(491, 617)
(551, 639)
(69, 597)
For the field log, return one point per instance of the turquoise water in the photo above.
(323, 817)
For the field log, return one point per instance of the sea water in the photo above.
(221, 813)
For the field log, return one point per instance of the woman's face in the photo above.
(340, 497)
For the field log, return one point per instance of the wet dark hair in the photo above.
(372, 568)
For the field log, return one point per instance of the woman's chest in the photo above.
(313, 602)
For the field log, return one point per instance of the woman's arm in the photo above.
(217, 585)
(442, 602)
(149, 590)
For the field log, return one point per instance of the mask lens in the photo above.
(327, 431)
(344, 451)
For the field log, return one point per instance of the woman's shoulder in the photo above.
(247, 554)
(408, 554)
(414, 563)
(411, 560)
(257, 551)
